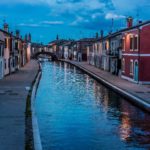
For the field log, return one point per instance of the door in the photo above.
(136, 70)
(1, 70)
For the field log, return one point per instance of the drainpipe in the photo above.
(139, 48)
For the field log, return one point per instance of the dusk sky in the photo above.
(44, 19)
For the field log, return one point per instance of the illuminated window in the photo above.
(131, 43)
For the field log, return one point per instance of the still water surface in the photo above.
(75, 112)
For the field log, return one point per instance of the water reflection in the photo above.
(75, 112)
(125, 128)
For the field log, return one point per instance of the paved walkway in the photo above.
(13, 94)
(140, 91)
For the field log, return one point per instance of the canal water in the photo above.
(75, 112)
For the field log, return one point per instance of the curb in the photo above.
(36, 133)
(134, 99)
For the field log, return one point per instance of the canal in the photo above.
(75, 112)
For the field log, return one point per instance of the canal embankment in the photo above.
(15, 123)
(137, 94)
(35, 127)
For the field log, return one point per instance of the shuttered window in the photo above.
(135, 43)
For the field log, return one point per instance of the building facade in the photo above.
(13, 51)
(115, 46)
(136, 54)
(82, 45)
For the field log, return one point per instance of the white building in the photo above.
(7, 37)
(1, 54)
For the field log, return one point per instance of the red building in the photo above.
(136, 53)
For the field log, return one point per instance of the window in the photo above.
(105, 46)
(13, 63)
(123, 44)
(5, 64)
(123, 65)
(112, 45)
(11, 44)
(131, 67)
(5, 43)
(98, 47)
(16, 45)
(131, 43)
(136, 43)
(2, 50)
(9, 63)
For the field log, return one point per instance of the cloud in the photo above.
(113, 16)
(60, 6)
(79, 20)
(28, 25)
(52, 22)
(129, 6)
(81, 6)
(41, 24)
(95, 15)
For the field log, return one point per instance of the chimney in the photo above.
(17, 33)
(6, 27)
(102, 34)
(140, 21)
(129, 22)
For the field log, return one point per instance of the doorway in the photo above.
(136, 71)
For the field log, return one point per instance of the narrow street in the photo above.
(13, 95)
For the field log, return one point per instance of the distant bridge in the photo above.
(52, 55)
